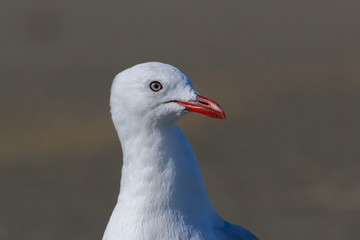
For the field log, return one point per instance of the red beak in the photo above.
(204, 106)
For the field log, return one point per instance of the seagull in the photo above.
(162, 193)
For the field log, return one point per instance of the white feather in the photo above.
(162, 194)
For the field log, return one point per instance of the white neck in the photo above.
(161, 161)
(161, 184)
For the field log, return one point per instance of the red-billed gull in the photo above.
(162, 194)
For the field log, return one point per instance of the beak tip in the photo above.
(222, 116)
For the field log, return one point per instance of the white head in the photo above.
(155, 93)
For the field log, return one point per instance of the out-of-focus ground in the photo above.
(286, 162)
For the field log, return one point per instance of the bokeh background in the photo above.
(286, 162)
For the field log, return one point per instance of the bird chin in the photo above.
(178, 115)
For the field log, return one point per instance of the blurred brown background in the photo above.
(286, 162)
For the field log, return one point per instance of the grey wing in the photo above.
(234, 232)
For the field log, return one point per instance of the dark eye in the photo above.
(155, 86)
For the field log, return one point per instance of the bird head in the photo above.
(157, 92)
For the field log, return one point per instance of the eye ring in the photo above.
(155, 86)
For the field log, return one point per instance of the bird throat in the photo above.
(160, 172)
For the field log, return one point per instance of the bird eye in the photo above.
(155, 86)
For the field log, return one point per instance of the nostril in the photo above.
(205, 103)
